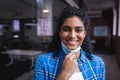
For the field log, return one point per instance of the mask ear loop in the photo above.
(66, 50)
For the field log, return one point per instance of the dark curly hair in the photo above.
(68, 12)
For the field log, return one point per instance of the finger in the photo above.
(75, 60)
(72, 57)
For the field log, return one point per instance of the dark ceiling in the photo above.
(21, 8)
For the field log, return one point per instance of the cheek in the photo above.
(81, 37)
(62, 35)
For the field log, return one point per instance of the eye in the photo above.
(65, 28)
(78, 30)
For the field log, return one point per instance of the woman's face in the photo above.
(72, 32)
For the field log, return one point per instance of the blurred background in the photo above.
(27, 27)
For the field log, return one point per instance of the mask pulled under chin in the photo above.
(66, 50)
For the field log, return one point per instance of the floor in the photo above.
(13, 71)
(22, 72)
(26, 76)
(112, 67)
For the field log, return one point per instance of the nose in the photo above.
(72, 34)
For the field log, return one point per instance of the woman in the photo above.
(70, 51)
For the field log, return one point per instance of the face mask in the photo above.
(66, 50)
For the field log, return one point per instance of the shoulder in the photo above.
(98, 60)
(48, 56)
(91, 57)
(97, 57)
(45, 56)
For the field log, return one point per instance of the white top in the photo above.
(76, 76)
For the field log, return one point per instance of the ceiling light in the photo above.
(45, 11)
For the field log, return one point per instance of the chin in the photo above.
(72, 48)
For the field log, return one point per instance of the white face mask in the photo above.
(66, 50)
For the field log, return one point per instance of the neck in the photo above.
(77, 55)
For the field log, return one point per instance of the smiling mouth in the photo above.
(72, 42)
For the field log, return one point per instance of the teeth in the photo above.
(72, 42)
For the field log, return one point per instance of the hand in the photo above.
(69, 66)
